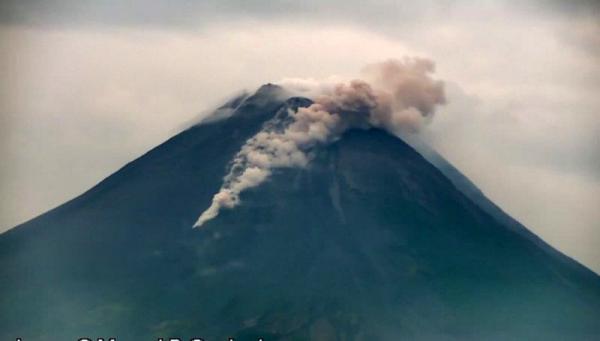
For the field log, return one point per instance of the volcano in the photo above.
(373, 240)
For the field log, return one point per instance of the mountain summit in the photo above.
(369, 241)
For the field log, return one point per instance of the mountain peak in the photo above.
(269, 89)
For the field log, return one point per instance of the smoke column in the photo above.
(399, 96)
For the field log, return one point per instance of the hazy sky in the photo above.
(87, 86)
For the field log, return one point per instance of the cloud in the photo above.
(193, 14)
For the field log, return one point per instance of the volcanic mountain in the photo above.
(370, 241)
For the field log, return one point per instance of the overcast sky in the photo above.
(86, 86)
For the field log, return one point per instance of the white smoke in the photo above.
(400, 96)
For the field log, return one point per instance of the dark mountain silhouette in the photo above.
(370, 242)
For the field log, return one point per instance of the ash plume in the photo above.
(396, 95)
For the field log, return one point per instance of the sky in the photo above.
(87, 86)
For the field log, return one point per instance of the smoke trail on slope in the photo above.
(399, 97)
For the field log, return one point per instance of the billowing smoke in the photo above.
(397, 96)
